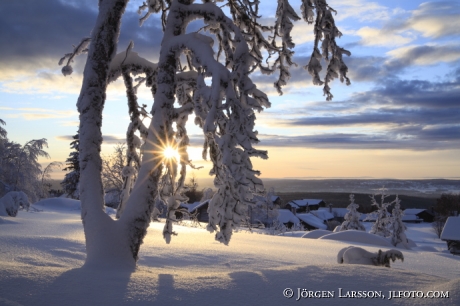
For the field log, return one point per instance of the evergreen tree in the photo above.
(351, 221)
(398, 228)
(382, 218)
(71, 181)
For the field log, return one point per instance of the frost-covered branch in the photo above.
(81, 48)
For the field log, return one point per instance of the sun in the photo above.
(170, 153)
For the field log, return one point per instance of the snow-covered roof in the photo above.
(312, 220)
(410, 218)
(194, 206)
(305, 202)
(285, 216)
(339, 212)
(274, 198)
(413, 211)
(451, 230)
(322, 214)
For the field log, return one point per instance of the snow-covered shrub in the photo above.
(12, 202)
(359, 256)
(351, 219)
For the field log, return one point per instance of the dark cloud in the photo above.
(426, 141)
(415, 113)
(33, 31)
(107, 139)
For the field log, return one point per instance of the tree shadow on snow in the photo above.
(87, 286)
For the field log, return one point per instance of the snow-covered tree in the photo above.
(216, 87)
(397, 227)
(383, 220)
(45, 177)
(351, 219)
(19, 167)
(71, 181)
(3, 132)
(263, 211)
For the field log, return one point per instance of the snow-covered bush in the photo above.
(224, 107)
(351, 219)
(359, 256)
(12, 202)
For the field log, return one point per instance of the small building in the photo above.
(416, 215)
(200, 208)
(451, 234)
(305, 205)
(276, 200)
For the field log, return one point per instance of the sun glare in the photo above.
(170, 152)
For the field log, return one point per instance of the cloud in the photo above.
(32, 46)
(424, 140)
(381, 37)
(362, 10)
(436, 19)
(425, 55)
(37, 113)
(107, 139)
(397, 113)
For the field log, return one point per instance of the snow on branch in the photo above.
(81, 48)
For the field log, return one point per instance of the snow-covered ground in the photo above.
(41, 255)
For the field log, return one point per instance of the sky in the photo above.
(399, 118)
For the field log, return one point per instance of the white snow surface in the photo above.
(315, 234)
(42, 254)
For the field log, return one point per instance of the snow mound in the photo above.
(293, 234)
(316, 234)
(58, 204)
(427, 248)
(359, 237)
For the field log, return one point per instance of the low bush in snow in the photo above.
(359, 256)
(12, 202)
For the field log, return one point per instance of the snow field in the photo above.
(41, 255)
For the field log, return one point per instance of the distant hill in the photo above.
(431, 188)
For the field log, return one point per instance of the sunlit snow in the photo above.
(42, 253)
